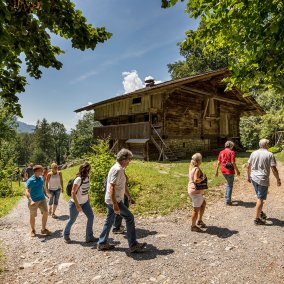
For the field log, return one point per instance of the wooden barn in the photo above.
(174, 119)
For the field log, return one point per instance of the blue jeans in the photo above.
(130, 224)
(260, 190)
(118, 219)
(229, 186)
(54, 196)
(87, 209)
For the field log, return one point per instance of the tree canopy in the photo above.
(251, 31)
(25, 28)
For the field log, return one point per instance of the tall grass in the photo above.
(160, 188)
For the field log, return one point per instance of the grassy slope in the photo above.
(7, 203)
(280, 156)
(162, 187)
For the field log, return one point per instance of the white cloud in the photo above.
(131, 81)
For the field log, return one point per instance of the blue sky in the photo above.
(144, 40)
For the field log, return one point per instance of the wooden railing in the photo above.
(138, 130)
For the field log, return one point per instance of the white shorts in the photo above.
(197, 199)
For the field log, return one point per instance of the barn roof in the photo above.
(222, 73)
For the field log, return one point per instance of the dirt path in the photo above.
(233, 249)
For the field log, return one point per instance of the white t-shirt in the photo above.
(261, 161)
(82, 192)
(117, 177)
(54, 182)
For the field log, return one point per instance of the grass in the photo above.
(160, 188)
(280, 156)
(7, 203)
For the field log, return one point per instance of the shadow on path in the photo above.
(150, 252)
(54, 235)
(275, 222)
(142, 233)
(62, 218)
(222, 233)
(244, 204)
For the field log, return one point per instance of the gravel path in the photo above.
(232, 250)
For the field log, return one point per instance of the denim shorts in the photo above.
(260, 190)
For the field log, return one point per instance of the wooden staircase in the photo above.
(165, 152)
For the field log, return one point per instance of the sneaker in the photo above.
(106, 246)
(67, 240)
(230, 203)
(119, 231)
(201, 224)
(138, 247)
(258, 221)
(46, 232)
(196, 229)
(33, 233)
(92, 240)
(263, 215)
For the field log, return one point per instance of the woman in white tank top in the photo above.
(54, 185)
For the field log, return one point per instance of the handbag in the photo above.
(229, 166)
(202, 184)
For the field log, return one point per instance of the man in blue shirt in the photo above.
(35, 193)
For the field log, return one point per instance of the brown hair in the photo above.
(84, 170)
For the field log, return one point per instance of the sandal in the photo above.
(201, 224)
(196, 229)
(54, 216)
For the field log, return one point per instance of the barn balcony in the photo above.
(140, 130)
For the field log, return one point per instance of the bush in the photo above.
(275, 149)
(6, 172)
(101, 161)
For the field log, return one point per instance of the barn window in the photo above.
(136, 101)
(195, 122)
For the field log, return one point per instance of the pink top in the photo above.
(191, 186)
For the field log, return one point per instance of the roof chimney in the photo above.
(150, 82)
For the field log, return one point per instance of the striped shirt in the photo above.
(82, 192)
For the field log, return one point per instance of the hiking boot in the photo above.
(120, 230)
(258, 221)
(196, 229)
(92, 240)
(201, 224)
(33, 233)
(105, 246)
(45, 232)
(67, 240)
(263, 215)
(138, 247)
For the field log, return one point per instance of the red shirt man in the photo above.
(226, 160)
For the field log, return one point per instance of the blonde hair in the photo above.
(195, 159)
(53, 165)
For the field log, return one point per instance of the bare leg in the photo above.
(32, 222)
(201, 211)
(54, 208)
(44, 220)
(195, 211)
(259, 205)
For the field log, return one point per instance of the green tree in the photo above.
(197, 62)
(82, 137)
(60, 141)
(24, 147)
(42, 144)
(101, 161)
(25, 28)
(251, 31)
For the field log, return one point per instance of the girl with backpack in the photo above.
(79, 202)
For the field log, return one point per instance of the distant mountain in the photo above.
(25, 128)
